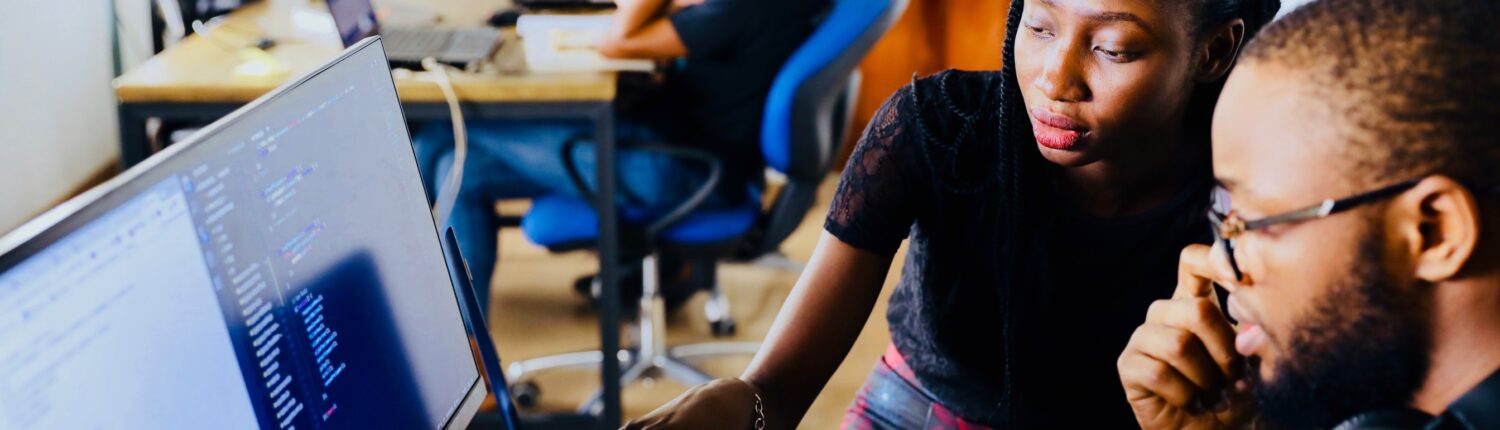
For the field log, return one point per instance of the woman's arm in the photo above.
(879, 198)
(815, 329)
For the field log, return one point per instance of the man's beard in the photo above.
(1363, 347)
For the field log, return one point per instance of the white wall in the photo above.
(57, 116)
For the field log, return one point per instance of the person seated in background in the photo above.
(712, 100)
(1380, 306)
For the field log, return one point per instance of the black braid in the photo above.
(1014, 129)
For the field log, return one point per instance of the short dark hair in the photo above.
(1415, 84)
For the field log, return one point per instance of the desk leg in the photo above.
(609, 316)
(135, 145)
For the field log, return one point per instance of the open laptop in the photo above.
(461, 46)
(280, 269)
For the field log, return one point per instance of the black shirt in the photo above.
(1477, 409)
(714, 98)
(923, 171)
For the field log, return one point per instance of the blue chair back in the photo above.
(805, 117)
(799, 118)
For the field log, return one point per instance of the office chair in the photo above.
(806, 116)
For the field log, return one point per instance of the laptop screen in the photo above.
(280, 270)
(355, 20)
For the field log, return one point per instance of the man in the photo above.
(1379, 305)
(729, 52)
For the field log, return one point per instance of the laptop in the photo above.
(279, 269)
(407, 46)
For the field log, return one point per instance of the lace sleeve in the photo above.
(882, 186)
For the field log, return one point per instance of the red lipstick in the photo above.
(1056, 131)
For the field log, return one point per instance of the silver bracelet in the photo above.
(760, 414)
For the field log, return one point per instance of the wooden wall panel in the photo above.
(931, 36)
(975, 31)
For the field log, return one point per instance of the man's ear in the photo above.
(1217, 52)
(1439, 221)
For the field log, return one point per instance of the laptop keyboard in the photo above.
(446, 44)
(472, 40)
(417, 41)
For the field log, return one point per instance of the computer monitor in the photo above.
(278, 270)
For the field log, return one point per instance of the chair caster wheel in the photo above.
(525, 394)
(722, 328)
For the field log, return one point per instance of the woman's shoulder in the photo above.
(948, 95)
(949, 123)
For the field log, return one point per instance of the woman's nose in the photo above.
(1062, 75)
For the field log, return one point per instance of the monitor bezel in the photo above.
(34, 236)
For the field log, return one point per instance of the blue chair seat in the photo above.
(557, 221)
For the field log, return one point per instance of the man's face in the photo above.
(1326, 330)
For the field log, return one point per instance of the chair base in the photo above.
(652, 357)
(673, 364)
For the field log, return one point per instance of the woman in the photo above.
(1046, 205)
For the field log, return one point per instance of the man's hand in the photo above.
(727, 403)
(1180, 368)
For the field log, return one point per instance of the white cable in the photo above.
(442, 206)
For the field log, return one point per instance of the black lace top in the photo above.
(926, 169)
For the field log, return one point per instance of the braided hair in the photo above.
(1019, 159)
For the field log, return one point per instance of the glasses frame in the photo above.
(1228, 227)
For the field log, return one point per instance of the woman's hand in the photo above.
(727, 403)
(1180, 369)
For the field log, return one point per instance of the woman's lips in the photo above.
(1056, 131)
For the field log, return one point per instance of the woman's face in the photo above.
(1103, 79)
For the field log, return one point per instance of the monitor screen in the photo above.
(280, 270)
(355, 19)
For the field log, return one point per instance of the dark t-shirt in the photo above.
(714, 98)
(925, 170)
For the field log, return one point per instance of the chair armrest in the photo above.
(700, 195)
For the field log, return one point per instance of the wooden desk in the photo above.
(196, 81)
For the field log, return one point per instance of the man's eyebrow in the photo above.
(1108, 17)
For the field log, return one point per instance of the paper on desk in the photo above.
(570, 43)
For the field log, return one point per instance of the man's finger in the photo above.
(1184, 352)
(1194, 275)
(1203, 318)
(1144, 377)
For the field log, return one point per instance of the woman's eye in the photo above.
(1115, 55)
(1038, 31)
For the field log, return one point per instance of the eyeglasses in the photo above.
(1228, 227)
